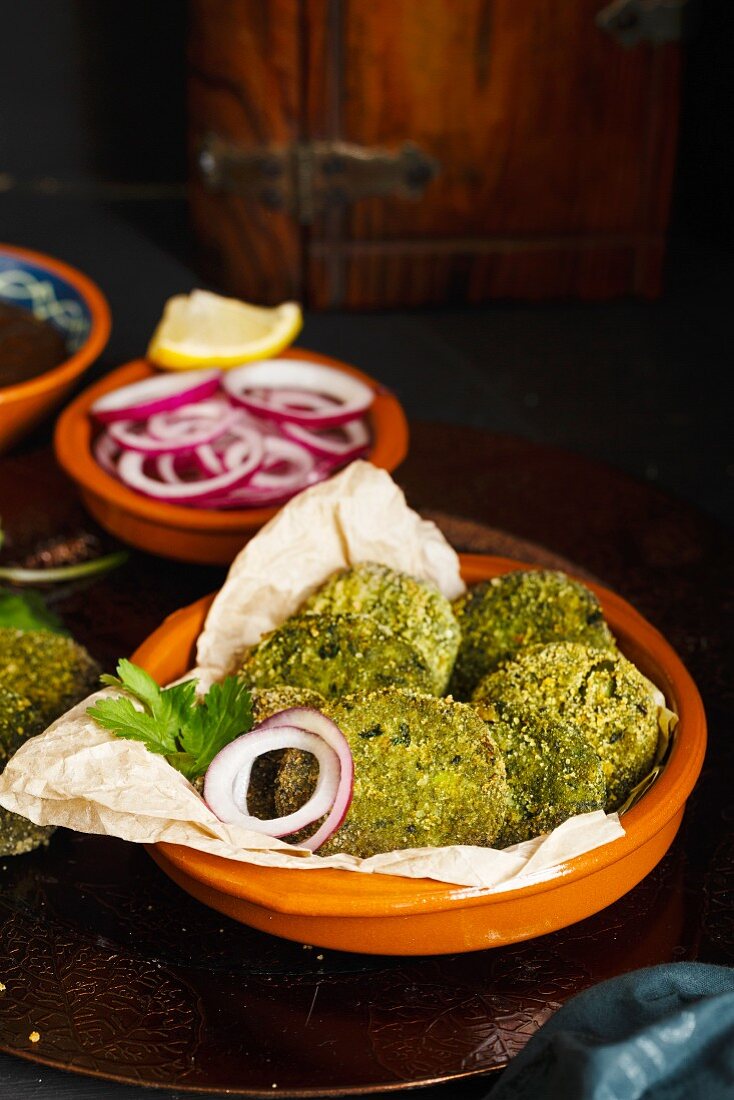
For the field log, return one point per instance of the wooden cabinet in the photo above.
(522, 152)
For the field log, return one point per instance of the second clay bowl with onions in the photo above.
(201, 535)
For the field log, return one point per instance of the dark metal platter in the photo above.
(126, 978)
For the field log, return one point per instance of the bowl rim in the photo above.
(99, 331)
(341, 893)
(74, 429)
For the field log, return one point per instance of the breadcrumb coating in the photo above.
(599, 691)
(502, 616)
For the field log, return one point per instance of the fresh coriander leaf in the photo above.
(123, 718)
(183, 762)
(189, 733)
(167, 706)
(223, 714)
(137, 681)
(27, 612)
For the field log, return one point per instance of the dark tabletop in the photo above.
(512, 409)
(118, 988)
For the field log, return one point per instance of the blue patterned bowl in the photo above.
(53, 292)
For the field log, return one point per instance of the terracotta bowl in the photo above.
(193, 534)
(380, 914)
(52, 291)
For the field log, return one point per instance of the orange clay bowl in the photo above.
(200, 535)
(381, 914)
(25, 404)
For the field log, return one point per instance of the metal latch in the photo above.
(308, 178)
(633, 21)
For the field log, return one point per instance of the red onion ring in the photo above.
(218, 455)
(161, 393)
(130, 469)
(354, 440)
(299, 464)
(177, 468)
(190, 434)
(353, 397)
(268, 485)
(296, 400)
(190, 418)
(228, 777)
(106, 452)
(209, 459)
(313, 721)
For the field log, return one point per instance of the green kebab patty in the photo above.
(334, 655)
(265, 703)
(426, 773)
(19, 720)
(599, 691)
(412, 609)
(500, 617)
(553, 772)
(52, 671)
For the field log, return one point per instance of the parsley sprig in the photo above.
(189, 733)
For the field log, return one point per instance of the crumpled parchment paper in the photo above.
(82, 777)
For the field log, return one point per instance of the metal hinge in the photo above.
(308, 178)
(633, 21)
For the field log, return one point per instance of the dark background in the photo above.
(92, 169)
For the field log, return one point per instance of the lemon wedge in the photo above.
(203, 329)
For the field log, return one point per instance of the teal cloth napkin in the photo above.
(662, 1033)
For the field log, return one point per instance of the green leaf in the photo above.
(123, 718)
(17, 574)
(183, 762)
(139, 683)
(223, 714)
(27, 612)
(189, 733)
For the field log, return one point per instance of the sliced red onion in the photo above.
(252, 496)
(160, 393)
(209, 460)
(353, 396)
(232, 453)
(106, 451)
(165, 467)
(242, 497)
(313, 721)
(175, 468)
(132, 435)
(296, 400)
(285, 465)
(227, 779)
(213, 454)
(191, 418)
(131, 470)
(345, 442)
(285, 469)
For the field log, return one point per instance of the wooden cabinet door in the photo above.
(555, 148)
(245, 85)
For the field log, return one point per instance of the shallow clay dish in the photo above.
(381, 914)
(52, 291)
(206, 537)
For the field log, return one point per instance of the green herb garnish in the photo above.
(17, 574)
(27, 612)
(173, 723)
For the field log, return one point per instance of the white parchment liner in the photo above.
(82, 777)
